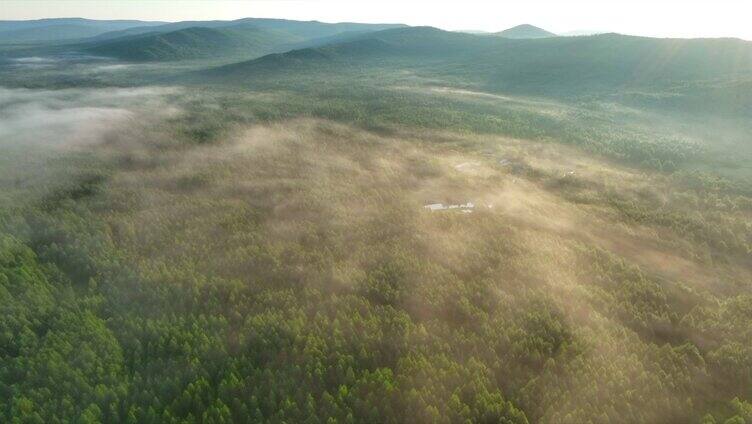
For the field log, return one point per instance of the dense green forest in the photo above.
(203, 242)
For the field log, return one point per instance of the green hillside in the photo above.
(194, 43)
(670, 69)
(591, 63)
(403, 46)
(613, 61)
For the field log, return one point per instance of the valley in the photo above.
(227, 222)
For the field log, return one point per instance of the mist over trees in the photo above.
(194, 238)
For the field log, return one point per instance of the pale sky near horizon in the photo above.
(658, 18)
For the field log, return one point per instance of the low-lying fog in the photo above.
(42, 132)
(73, 117)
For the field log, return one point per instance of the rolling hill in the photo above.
(560, 66)
(406, 45)
(194, 43)
(525, 31)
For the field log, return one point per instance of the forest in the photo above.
(215, 239)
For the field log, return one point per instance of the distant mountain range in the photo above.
(301, 29)
(244, 38)
(524, 60)
(159, 41)
(62, 29)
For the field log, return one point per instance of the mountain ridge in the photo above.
(194, 43)
(559, 66)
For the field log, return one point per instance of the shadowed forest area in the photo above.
(215, 239)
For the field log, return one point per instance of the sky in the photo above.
(658, 18)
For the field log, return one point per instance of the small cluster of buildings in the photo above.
(464, 208)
